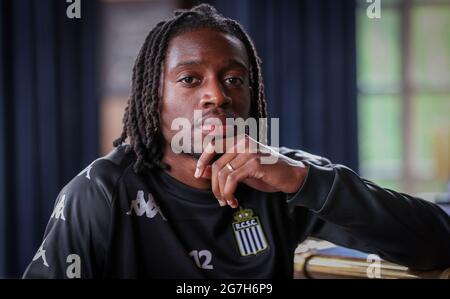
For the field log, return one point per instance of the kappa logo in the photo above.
(140, 206)
(58, 212)
(41, 254)
(248, 233)
(87, 170)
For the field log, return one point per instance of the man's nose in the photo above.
(214, 96)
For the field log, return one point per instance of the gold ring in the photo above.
(230, 167)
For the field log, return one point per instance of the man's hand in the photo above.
(242, 162)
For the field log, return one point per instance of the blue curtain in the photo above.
(48, 116)
(309, 67)
(49, 100)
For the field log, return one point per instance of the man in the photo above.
(149, 210)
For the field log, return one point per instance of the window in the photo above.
(404, 95)
(124, 26)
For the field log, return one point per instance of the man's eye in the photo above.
(189, 80)
(234, 81)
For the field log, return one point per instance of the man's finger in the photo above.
(207, 172)
(210, 151)
(207, 155)
(215, 184)
(232, 182)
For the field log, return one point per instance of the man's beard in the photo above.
(197, 156)
(223, 138)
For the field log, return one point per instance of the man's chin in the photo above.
(197, 156)
(224, 137)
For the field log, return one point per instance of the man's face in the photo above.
(204, 70)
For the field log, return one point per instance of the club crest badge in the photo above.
(248, 232)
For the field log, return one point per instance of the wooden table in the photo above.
(320, 259)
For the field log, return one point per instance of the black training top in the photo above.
(110, 222)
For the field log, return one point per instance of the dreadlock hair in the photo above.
(141, 120)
